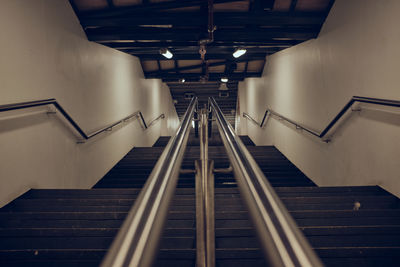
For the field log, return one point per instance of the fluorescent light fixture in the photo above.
(166, 53)
(239, 52)
(193, 124)
(224, 80)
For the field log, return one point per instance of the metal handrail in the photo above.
(161, 116)
(324, 132)
(282, 242)
(137, 240)
(53, 101)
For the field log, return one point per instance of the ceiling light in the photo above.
(182, 80)
(224, 80)
(239, 52)
(166, 53)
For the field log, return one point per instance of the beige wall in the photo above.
(45, 54)
(356, 53)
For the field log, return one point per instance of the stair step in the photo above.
(75, 227)
(176, 223)
(82, 232)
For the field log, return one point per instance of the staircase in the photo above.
(347, 226)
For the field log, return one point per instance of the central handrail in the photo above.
(137, 241)
(53, 101)
(324, 132)
(205, 212)
(282, 242)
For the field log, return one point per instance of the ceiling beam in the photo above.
(157, 56)
(194, 44)
(146, 7)
(192, 67)
(175, 19)
(167, 77)
(193, 35)
(195, 49)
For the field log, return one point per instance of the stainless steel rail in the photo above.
(52, 101)
(162, 116)
(324, 132)
(137, 241)
(205, 230)
(282, 242)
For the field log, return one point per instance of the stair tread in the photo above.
(63, 227)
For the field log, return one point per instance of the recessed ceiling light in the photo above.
(166, 53)
(224, 80)
(239, 52)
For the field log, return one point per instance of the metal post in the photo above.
(205, 232)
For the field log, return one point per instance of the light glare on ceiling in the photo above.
(166, 53)
(239, 52)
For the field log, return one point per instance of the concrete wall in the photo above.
(45, 54)
(356, 53)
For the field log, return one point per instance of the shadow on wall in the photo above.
(384, 116)
(20, 119)
(13, 123)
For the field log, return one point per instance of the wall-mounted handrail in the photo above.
(324, 132)
(282, 242)
(161, 116)
(53, 101)
(137, 241)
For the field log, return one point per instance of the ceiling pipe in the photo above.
(211, 26)
(210, 29)
(204, 42)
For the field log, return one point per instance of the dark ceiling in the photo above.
(143, 27)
